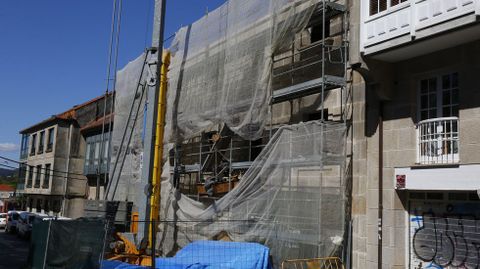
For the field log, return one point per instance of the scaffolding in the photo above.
(306, 67)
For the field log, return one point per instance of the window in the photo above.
(39, 205)
(47, 206)
(97, 153)
(439, 97)
(316, 32)
(22, 173)
(50, 139)
(46, 177)
(396, 2)
(30, 176)
(41, 142)
(57, 206)
(377, 6)
(24, 147)
(38, 176)
(96, 157)
(34, 144)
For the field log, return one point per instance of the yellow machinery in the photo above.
(124, 250)
(158, 155)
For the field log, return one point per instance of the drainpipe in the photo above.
(367, 77)
(380, 183)
(67, 167)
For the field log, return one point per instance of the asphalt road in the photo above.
(13, 251)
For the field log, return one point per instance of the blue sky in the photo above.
(53, 53)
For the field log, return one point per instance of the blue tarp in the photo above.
(210, 255)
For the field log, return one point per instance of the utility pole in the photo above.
(151, 119)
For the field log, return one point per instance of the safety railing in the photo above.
(438, 141)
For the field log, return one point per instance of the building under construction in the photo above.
(257, 129)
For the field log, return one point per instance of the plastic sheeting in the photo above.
(221, 65)
(125, 180)
(292, 198)
(210, 255)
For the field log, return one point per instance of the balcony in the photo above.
(437, 141)
(417, 27)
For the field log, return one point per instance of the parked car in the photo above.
(24, 225)
(12, 220)
(3, 220)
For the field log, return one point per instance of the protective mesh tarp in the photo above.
(221, 65)
(292, 198)
(73, 244)
(125, 181)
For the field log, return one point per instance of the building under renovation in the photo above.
(257, 130)
(317, 128)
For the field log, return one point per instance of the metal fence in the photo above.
(97, 243)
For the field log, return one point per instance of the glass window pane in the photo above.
(383, 5)
(446, 98)
(424, 101)
(455, 111)
(455, 98)
(432, 101)
(446, 82)
(87, 152)
(424, 86)
(455, 80)
(373, 7)
(446, 112)
(424, 114)
(432, 85)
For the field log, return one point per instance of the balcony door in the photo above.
(438, 114)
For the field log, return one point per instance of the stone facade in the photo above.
(60, 161)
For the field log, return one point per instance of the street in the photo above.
(13, 251)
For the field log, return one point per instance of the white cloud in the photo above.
(8, 147)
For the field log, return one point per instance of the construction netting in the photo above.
(127, 140)
(73, 244)
(221, 65)
(292, 199)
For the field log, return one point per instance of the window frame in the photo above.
(41, 142)
(33, 145)
(38, 175)
(389, 6)
(29, 177)
(50, 139)
(47, 176)
(439, 92)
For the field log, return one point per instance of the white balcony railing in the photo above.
(437, 141)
